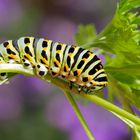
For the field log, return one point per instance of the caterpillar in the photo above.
(75, 64)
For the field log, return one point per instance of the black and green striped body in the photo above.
(73, 63)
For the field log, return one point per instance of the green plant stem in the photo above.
(112, 108)
(18, 68)
(79, 115)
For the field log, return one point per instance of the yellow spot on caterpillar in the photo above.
(28, 44)
(44, 60)
(78, 72)
(29, 58)
(90, 53)
(90, 78)
(45, 48)
(84, 59)
(94, 83)
(103, 83)
(57, 62)
(13, 56)
(59, 51)
(66, 67)
(46, 40)
(8, 46)
(71, 54)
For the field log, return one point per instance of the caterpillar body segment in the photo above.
(65, 68)
(9, 52)
(57, 54)
(26, 49)
(42, 48)
(73, 63)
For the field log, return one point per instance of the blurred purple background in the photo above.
(31, 109)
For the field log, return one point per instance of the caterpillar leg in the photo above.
(26, 63)
(41, 70)
(70, 85)
(80, 88)
(86, 89)
(11, 61)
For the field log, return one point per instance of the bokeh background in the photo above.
(31, 109)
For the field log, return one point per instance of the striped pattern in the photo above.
(73, 63)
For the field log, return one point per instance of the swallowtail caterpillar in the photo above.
(77, 65)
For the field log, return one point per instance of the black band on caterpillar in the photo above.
(73, 63)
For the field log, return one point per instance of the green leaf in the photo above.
(85, 34)
(127, 5)
(132, 70)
